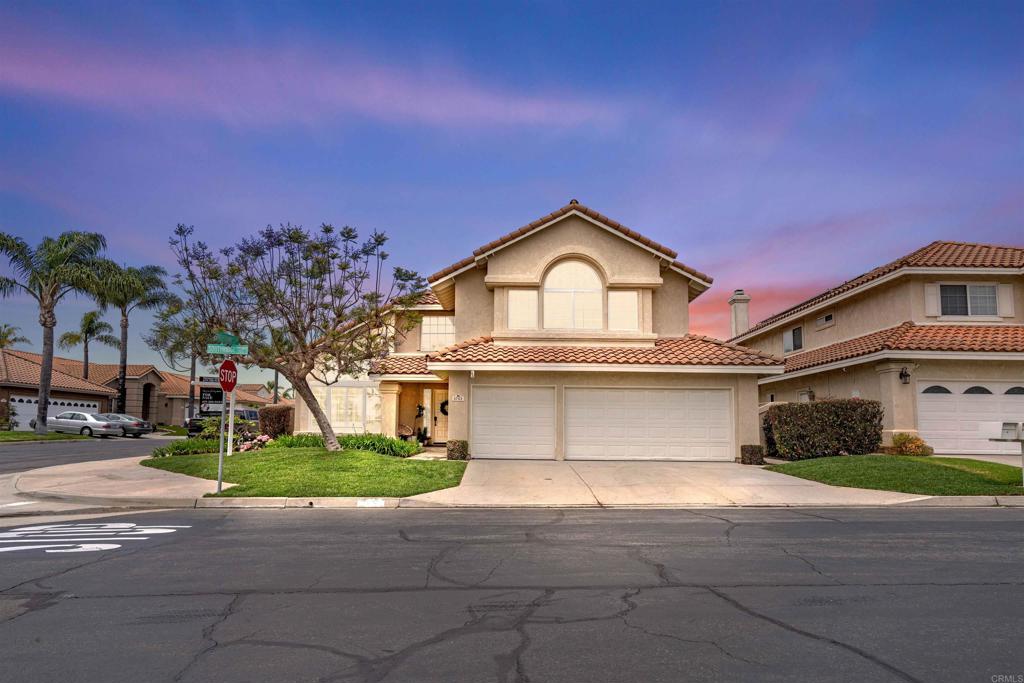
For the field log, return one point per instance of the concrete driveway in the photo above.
(581, 483)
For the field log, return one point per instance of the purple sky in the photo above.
(780, 147)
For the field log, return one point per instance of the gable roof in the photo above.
(18, 370)
(912, 337)
(177, 386)
(572, 207)
(938, 254)
(690, 350)
(100, 373)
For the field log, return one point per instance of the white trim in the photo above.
(899, 272)
(898, 355)
(574, 212)
(610, 367)
(408, 378)
(424, 307)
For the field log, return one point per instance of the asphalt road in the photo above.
(19, 457)
(587, 595)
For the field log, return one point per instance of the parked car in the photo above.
(130, 425)
(87, 424)
(195, 424)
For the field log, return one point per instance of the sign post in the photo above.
(228, 377)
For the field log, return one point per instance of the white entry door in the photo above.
(948, 414)
(513, 422)
(439, 421)
(648, 424)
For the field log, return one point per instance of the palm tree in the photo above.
(11, 336)
(91, 328)
(128, 288)
(181, 341)
(55, 268)
(274, 389)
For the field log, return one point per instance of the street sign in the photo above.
(228, 376)
(227, 339)
(208, 380)
(227, 349)
(211, 395)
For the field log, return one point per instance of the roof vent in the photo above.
(573, 202)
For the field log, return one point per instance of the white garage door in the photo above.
(651, 424)
(513, 422)
(948, 414)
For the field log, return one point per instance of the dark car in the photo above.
(128, 424)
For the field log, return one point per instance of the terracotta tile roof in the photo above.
(101, 373)
(428, 298)
(17, 369)
(688, 350)
(938, 254)
(911, 337)
(175, 385)
(401, 365)
(568, 208)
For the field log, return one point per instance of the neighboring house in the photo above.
(937, 336)
(567, 338)
(19, 389)
(152, 394)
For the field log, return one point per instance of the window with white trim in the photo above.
(437, 332)
(793, 339)
(522, 309)
(967, 300)
(623, 309)
(573, 297)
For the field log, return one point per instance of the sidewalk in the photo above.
(496, 483)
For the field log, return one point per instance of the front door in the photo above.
(439, 421)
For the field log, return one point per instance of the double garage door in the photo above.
(603, 423)
(948, 414)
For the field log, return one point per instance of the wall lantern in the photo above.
(904, 376)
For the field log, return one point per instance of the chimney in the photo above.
(738, 302)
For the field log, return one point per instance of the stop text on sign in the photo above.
(228, 376)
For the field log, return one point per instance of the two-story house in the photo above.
(566, 338)
(937, 336)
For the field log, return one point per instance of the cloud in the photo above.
(248, 87)
(710, 314)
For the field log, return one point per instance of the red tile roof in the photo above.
(688, 350)
(177, 386)
(101, 373)
(939, 254)
(565, 210)
(19, 370)
(911, 337)
(401, 365)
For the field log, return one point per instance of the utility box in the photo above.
(1001, 431)
(1011, 431)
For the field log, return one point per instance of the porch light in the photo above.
(904, 376)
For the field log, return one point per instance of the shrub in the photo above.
(751, 454)
(375, 443)
(909, 444)
(277, 420)
(187, 447)
(798, 431)
(458, 449)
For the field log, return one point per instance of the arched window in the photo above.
(573, 297)
(977, 390)
(1015, 391)
(936, 389)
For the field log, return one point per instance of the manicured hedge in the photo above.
(187, 447)
(820, 429)
(276, 420)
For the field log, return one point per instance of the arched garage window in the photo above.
(977, 390)
(1015, 391)
(936, 389)
(573, 297)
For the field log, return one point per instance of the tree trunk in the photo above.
(122, 369)
(275, 387)
(48, 320)
(85, 358)
(192, 388)
(301, 387)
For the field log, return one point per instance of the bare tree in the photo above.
(307, 304)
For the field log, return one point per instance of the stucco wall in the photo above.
(671, 306)
(744, 389)
(474, 306)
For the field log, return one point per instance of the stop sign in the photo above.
(228, 376)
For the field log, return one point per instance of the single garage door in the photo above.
(648, 424)
(948, 414)
(513, 422)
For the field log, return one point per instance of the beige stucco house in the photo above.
(937, 336)
(567, 338)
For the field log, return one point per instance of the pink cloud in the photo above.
(710, 314)
(248, 87)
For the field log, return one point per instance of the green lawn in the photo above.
(309, 472)
(176, 430)
(924, 475)
(6, 437)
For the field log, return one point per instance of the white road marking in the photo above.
(79, 538)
